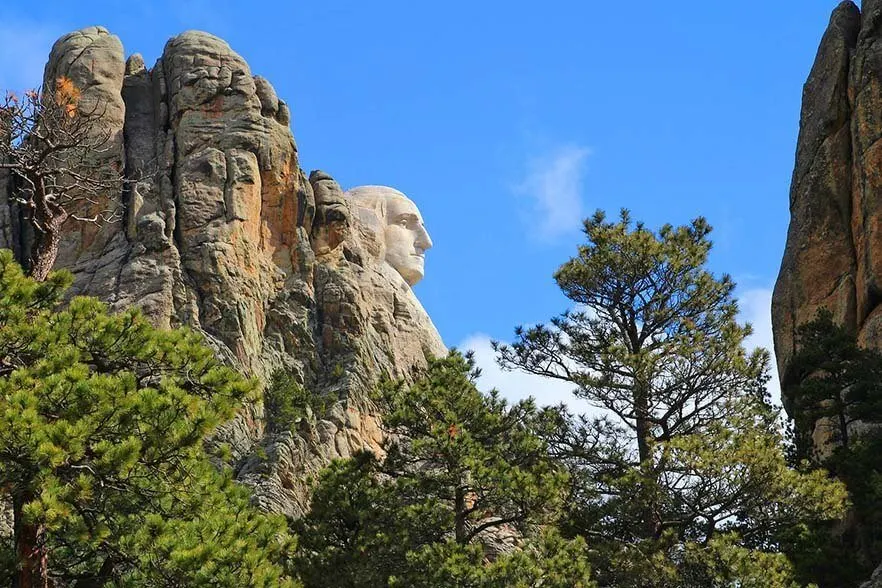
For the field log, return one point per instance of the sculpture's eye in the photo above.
(403, 222)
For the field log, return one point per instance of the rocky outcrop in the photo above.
(821, 265)
(223, 232)
(833, 256)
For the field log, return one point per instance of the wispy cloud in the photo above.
(554, 186)
(515, 385)
(756, 305)
(24, 49)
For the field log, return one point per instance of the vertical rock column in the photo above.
(233, 157)
(92, 58)
(224, 233)
(866, 128)
(819, 266)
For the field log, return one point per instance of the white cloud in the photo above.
(756, 309)
(755, 305)
(24, 49)
(554, 184)
(517, 385)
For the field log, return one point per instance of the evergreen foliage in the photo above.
(360, 529)
(836, 390)
(682, 481)
(835, 381)
(286, 402)
(102, 422)
(458, 466)
(482, 458)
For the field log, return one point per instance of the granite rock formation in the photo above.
(833, 256)
(404, 237)
(820, 262)
(223, 232)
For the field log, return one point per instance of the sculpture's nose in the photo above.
(423, 241)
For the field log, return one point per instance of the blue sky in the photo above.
(509, 121)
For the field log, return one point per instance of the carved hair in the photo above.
(373, 198)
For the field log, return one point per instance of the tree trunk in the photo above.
(643, 432)
(45, 250)
(459, 517)
(843, 424)
(30, 551)
(644, 451)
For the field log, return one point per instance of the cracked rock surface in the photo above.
(223, 232)
(833, 255)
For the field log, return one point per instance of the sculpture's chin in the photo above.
(411, 274)
(409, 266)
(412, 277)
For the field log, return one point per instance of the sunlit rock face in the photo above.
(398, 222)
(225, 233)
(833, 256)
(826, 258)
(368, 323)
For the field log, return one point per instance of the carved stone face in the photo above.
(404, 234)
(406, 239)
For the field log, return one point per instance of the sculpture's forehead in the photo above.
(393, 201)
(398, 205)
(366, 193)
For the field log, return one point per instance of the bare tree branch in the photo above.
(57, 152)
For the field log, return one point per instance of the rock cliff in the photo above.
(833, 256)
(225, 233)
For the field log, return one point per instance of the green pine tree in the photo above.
(682, 480)
(834, 380)
(459, 465)
(102, 422)
(835, 385)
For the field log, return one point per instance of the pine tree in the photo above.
(683, 470)
(480, 456)
(834, 380)
(102, 427)
(459, 467)
(836, 391)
